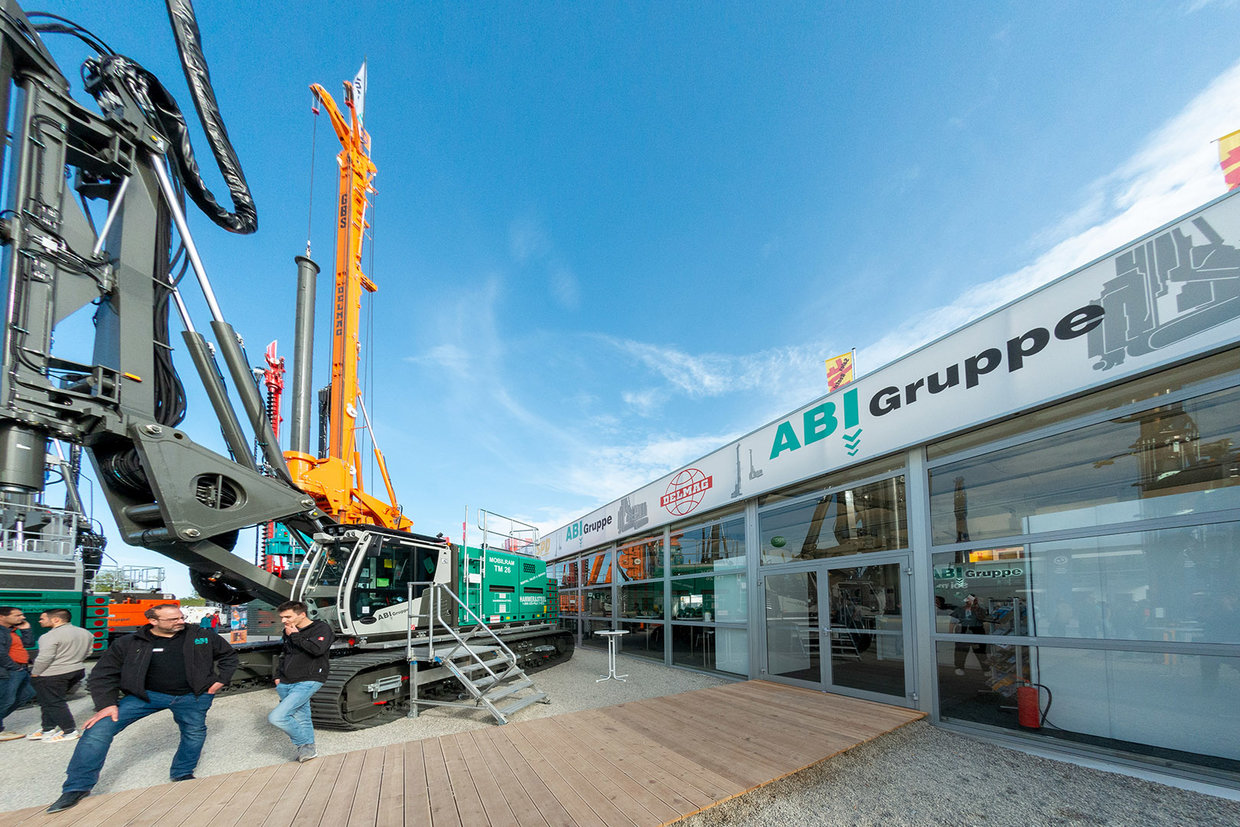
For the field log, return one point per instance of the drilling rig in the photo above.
(129, 162)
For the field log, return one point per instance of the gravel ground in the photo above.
(918, 775)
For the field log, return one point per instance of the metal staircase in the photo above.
(485, 666)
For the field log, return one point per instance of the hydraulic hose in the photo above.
(198, 77)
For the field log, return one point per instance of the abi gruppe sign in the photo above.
(1166, 296)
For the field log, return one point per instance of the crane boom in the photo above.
(335, 481)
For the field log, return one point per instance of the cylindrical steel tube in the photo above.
(22, 454)
(303, 355)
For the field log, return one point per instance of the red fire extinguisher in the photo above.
(1028, 710)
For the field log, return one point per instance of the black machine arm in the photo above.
(124, 400)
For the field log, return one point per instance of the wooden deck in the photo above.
(645, 762)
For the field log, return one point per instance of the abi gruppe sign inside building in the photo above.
(1171, 294)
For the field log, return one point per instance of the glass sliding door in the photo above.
(841, 627)
(867, 629)
(792, 627)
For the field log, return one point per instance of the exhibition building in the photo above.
(1028, 528)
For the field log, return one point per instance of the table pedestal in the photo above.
(611, 655)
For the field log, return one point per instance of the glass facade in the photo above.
(1171, 460)
(1087, 553)
(856, 520)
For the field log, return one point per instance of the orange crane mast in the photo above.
(335, 481)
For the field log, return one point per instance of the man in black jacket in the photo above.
(303, 669)
(163, 665)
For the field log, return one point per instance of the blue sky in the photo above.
(611, 237)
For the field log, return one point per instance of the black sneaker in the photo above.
(189, 777)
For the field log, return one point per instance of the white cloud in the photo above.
(530, 246)
(1173, 172)
(717, 374)
(450, 357)
(644, 403)
(606, 473)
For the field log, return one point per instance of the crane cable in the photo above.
(314, 139)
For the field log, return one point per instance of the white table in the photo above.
(611, 636)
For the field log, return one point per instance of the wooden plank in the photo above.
(851, 717)
(304, 785)
(779, 731)
(599, 794)
(365, 810)
(93, 810)
(255, 801)
(585, 751)
(443, 806)
(825, 707)
(504, 758)
(183, 799)
(208, 808)
(695, 779)
(500, 806)
(335, 810)
(761, 730)
(688, 741)
(461, 777)
(509, 742)
(589, 778)
(637, 765)
(416, 795)
(390, 811)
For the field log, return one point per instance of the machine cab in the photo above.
(358, 578)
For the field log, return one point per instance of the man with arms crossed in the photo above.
(303, 669)
(59, 667)
(163, 665)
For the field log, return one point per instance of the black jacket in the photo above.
(304, 654)
(208, 659)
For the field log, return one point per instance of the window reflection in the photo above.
(598, 602)
(1174, 459)
(710, 599)
(596, 568)
(641, 559)
(645, 600)
(1176, 584)
(644, 640)
(565, 573)
(709, 547)
(867, 518)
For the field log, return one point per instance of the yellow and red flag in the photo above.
(840, 370)
(1229, 158)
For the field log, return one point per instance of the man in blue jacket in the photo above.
(303, 668)
(163, 665)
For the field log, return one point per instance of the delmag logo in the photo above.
(685, 491)
(819, 422)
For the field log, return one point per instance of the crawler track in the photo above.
(372, 688)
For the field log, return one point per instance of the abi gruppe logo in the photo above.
(685, 491)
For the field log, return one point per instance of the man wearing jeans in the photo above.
(163, 665)
(303, 669)
(15, 689)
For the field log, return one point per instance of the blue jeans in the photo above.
(293, 712)
(189, 712)
(15, 690)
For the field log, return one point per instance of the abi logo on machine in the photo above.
(685, 491)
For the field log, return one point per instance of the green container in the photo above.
(504, 587)
(89, 611)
